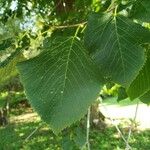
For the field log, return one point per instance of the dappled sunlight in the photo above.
(125, 110)
(17, 135)
(14, 136)
(29, 117)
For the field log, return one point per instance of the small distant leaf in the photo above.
(141, 10)
(2, 101)
(61, 83)
(80, 137)
(113, 42)
(109, 85)
(10, 57)
(146, 98)
(67, 143)
(105, 5)
(10, 69)
(142, 82)
(121, 94)
(5, 44)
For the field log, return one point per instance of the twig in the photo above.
(117, 128)
(88, 129)
(70, 26)
(131, 126)
(27, 138)
(64, 27)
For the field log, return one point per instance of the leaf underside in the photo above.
(113, 42)
(61, 83)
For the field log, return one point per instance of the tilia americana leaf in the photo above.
(61, 83)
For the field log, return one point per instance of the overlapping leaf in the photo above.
(145, 98)
(61, 83)
(113, 42)
(142, 83)
(121, 94)
(141, 10)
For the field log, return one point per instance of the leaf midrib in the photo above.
(118, 41)
(67, 65)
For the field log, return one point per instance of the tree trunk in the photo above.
(4, 112)
(64, 6)
(3, 117)
(97, 118)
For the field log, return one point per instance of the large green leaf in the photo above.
(142, 82)
(113, 42)
(61, 83)
(141, 10)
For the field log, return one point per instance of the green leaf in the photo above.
(142, 82)
(113, 42)
(9, 57)
(9, 70)
(121, 94)
(141, 10)
(146, 98)
(5, 44)
(80, 137)
(67, 143)
(61, 83)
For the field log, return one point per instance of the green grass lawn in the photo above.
(13, 136)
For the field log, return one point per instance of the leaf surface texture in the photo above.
(114, 44)
(61, 83)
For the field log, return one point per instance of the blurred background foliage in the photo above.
(24, 25)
